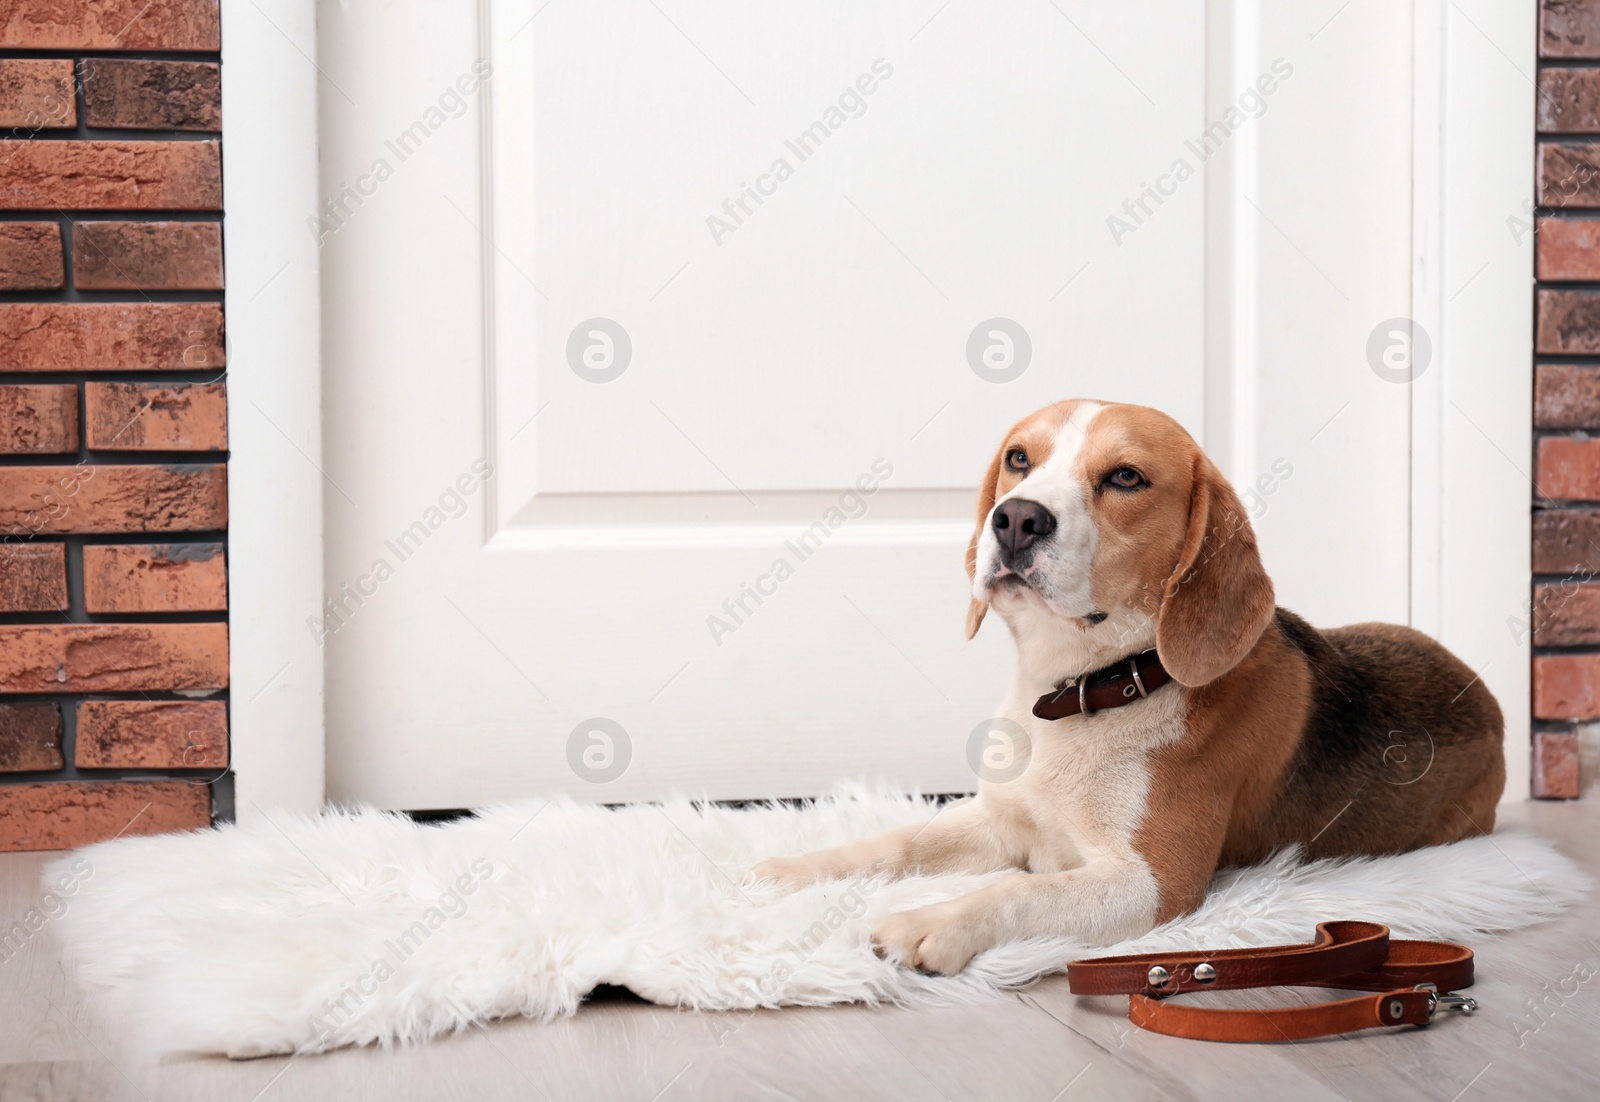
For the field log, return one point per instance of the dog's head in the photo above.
(1103, 529)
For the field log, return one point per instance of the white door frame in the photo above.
(1472, 292)
(270, 87)
(1471, 410)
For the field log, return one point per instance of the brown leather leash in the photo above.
(1413, 980)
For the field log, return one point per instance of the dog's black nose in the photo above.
(1019, 522)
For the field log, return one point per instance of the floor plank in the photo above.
(1537, 1035)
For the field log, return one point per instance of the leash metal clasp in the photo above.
(1449, 1000)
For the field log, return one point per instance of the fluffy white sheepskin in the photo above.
(308, 933)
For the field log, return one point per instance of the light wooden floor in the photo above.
(1042, 1044)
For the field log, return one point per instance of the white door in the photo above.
(665, 343)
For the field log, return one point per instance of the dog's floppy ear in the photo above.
(991, 482)
(1218, 599)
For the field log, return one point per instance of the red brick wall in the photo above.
(1566, 516)
(113, 422)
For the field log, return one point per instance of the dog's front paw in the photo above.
(789, 873)
(940, 938)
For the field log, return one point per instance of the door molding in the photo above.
(273, 314)
(512, 402)
(1472, 292)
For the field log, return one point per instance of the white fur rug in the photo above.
(307, 934)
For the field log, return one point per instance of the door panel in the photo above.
(532, 529)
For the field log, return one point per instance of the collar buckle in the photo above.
(1082, 684)
(1125, 681)
(1133, 668)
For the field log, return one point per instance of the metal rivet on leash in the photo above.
(1396, 1008)
(1158, 976)
(1204, 973)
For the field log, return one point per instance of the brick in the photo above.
(37, 95)
(1568, 322)
(157, 417)
(147, 256)
(1569, 101)
(1566, 541)
(110, 24)
(69, 814)
(30, 737)
(1566, 613)
(184, 577)
(1566, 396)
(112, 336)
(1567, 248)
(152, 734)
(1569, 174)
(101, 175)
(33, 577)
(1565, 686)
(1555, 765)
(1569, 28)
(30, 257)
(1567, 468)
(39, 420)
(108, 499)
(152, 95)
(108, 658)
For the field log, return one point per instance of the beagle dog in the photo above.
(1176, 720)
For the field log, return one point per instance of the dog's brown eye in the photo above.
(1017, 459)
(1126, 478)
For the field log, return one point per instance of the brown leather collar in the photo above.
(1414, 978)
(1131, 679)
